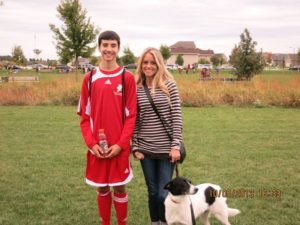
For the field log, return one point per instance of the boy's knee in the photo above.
(103, 189)
(120, 189)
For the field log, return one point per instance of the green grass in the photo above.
(266, 74)
(282, 75)
(43, 162)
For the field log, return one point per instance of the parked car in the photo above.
(15, 67)
(202, 66)
(63, 68)
(86, 65)
(131, 66)
(172, 66)
(227, 67)
(295, 67)
(39, 66)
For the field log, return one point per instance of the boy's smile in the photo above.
(109, 49)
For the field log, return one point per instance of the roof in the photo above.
(281, 56)
(188, 47)
(205, 52)
(184, 44)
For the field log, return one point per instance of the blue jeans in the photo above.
(157, 172)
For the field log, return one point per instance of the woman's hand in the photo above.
(138, 155)
(174, 155)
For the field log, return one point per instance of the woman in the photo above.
(154, 144)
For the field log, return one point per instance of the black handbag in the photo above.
(181, 144)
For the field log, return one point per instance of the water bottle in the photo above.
(102, 140)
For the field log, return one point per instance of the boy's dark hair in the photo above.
(109, 35)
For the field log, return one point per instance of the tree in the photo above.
(5, 57)
(203, 61)
(179, 60)
(283, 63)
(18, 55)
(94, 60)
(51, 62)
(244, 58)
(75, 37)
(165, 51)
(217, 60)
(298, 56)
(268, 58)
(128, 56)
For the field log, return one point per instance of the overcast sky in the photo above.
(211, 24)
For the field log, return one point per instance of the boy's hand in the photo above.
(98, 152)
(113, 151)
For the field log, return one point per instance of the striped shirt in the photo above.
(150, 136)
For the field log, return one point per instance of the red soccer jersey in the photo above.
(103, 108)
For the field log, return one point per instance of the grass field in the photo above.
(43, 161)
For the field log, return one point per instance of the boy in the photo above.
(105, 105)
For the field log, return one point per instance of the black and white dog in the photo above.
(182, 193)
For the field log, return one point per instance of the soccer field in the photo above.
(253, 149)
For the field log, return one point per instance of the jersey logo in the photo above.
(119, 90)
(107, 82)
(126, 171)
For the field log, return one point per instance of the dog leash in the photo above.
(176, 169)
(191, 206)
(192, 212)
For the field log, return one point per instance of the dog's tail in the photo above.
(233, 212)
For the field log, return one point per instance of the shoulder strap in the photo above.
(90, 83)
(123, 97)
(154, 107)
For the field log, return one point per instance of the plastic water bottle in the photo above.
(102, 140)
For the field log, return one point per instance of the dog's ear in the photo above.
(168, 185)
(189, 181)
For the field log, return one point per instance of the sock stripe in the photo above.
(121, 200)
(103, 194)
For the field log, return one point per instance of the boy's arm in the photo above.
(130, 110)
(83, 111)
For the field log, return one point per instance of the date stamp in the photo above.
(246, 193)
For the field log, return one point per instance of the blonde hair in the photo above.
(162, 75)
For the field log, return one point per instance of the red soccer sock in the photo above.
(104, 206)
(121, 207)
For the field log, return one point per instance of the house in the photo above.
(82, 61)
(280, 59)
(190, 53)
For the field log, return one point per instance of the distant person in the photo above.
(179, 70)
(203, 72)
(108, 102)
(188, 67)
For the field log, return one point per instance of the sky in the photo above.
(211, 24)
